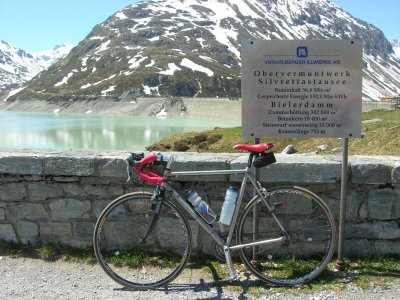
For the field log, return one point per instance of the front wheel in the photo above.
(130, 260)
(303, 230)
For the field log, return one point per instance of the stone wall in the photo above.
(56, 196)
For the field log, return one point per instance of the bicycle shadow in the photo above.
(244, 289)
(351, 274)
(216, 285)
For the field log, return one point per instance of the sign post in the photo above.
(343, 201)
(304, 89)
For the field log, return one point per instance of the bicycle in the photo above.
(284, 235)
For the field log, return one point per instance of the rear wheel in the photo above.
(307, 234)
(128, 260)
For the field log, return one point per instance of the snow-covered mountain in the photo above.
(17, 66)
(192, 48)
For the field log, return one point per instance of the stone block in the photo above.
(296, 168)
(55, 232)
(110, 167)
(363, 211)
(28, 232)
(387, 248)
(104, 180)
(79, 244)
(69, 208)
(194, 228)
(104, 190)
(7, 233)
(238, 163)
(370, 170)
(40, 191)
(353, 203)
(21, 163)
(31, 211)
(69, 163)
(201, 162)
(357, 248)
(2, 214)
(83, 231)
(377, 230)
(74, 189)
(12, 192)
(384, 204)
(396, 174)
(99, 206)
(66, 179)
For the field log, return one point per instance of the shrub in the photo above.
(181, 146)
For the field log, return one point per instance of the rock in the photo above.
(337, 150)
(372, 121)
(323, 147)
(174, 104)
(289, 150)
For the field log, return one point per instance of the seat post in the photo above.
(251, 156)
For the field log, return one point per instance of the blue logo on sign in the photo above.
(302, 52)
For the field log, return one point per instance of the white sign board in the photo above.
(310, 88)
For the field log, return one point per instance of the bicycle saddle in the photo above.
(258, 148)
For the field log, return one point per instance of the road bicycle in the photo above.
(283, 235)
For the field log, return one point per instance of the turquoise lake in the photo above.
(28, 130)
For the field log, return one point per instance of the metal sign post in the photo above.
(343, 199)
(256, 222)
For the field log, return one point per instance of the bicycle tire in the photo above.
(155, 263)
(308, 226)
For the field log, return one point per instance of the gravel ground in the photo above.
(25, 278)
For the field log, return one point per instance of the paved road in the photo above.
(26, 278)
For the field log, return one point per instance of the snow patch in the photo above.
(195, 67)
(103, 47)
(97, 38)
(202, 42)
(13, 92)
(98, 82)
(150, 64)
(162, 114)
(151, 90)
(135, 62)
(120, 15)
(65, 79)
(172, 67)
(110, 89)
(154, 39)
(85, 86)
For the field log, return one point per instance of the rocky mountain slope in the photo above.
(396, 47)
(18, 66)
(192, 48)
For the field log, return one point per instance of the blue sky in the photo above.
(36, 25)
(383, 14)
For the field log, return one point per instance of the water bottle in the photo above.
(201, 207)
(229, 206)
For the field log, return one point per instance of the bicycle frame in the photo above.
(274, 232)
(247, 176)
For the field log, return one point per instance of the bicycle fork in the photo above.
(156, 207)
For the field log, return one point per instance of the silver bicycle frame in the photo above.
(247, 175)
